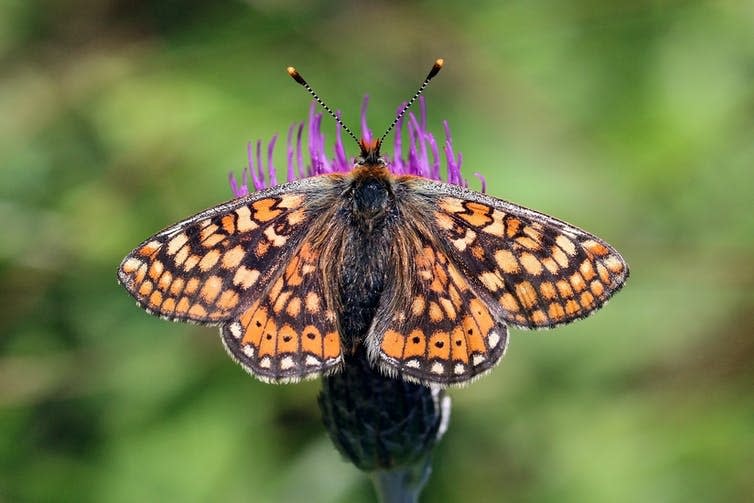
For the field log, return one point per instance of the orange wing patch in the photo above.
(448, 335)
(288, 334)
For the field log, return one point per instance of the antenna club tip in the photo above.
(295, 75)
(436, 68)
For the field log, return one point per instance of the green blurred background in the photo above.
(630, 119)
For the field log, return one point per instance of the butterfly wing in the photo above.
(237, 263)
(199, 269)
(466, 265)
(291, 332)
(431, 326)
(541, 271)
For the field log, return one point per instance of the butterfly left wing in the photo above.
(541, 271)
(245, 265)
(291, 332)
(202, 269)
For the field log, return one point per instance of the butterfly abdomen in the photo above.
(361, 285)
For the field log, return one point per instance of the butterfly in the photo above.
(423, 276)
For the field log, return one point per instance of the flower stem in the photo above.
(385, 426)
(404, 484)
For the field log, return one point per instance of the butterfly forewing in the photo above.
(541, 271)
(201, 269)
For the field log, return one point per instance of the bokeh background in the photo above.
(630, 119)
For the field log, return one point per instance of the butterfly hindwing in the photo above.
(541, 271)
(290, 333)
(443, 333)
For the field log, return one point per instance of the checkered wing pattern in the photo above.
(237, 264)
(541, 271)
(443, 332)
(291, 332)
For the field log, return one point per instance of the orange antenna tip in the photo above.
(432, 72)
(436, 68)
(295, 75)
(298, 78)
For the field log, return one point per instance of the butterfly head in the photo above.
(370, 153)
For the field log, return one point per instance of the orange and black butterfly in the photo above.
(424, 276)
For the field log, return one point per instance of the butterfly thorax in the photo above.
(371, 196)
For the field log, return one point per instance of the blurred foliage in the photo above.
(630, 119)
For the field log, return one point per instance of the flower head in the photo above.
(422, 156)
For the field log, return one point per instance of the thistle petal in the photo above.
(421, 156)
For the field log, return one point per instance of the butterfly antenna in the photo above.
(434, 71)
(298, 78)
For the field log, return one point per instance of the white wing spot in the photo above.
(236, 330)
(273, 236)
(286, 363)
(312, 360)
(459, 368)
(477, 359)
(437, 368)
(493, 339)
(566, 244)
(248, 350)
(177, 243)
(613, 264)
(153, 244)
(414, 364)
(244, 222)
(265, 363)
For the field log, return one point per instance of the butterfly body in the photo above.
(359, 236)
(424, 276)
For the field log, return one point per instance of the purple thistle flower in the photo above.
(421, 159)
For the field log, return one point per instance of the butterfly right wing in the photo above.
(431, 326)
(540, 271)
